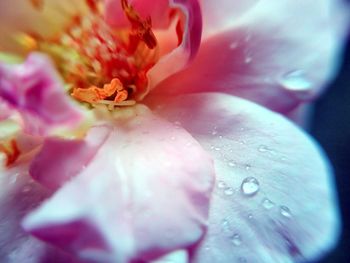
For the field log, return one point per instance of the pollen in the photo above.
(101, 63)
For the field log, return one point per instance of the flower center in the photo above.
(99, 63)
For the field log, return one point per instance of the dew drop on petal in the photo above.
(221, 184)
(250, 186)
(225, 225)
(248, 166)
(231, 164)
(248, 59)
(233, 45)
(26, 189)
(267, 203)
(236, 240)
(217, 148)
(229, 191)
(285, 211)
(296, 80)
(263, 148)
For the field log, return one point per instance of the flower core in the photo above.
(101, 64)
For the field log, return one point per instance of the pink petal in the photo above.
(18, 195)
(52, 159)
(5, 111)
(219, 15)
(274, 198)
(35, 90)
(138, 198)
(178, 59)
(272, 55)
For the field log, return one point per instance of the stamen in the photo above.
(94, 94)
(89, 54)
(10, 149)
(142, 29)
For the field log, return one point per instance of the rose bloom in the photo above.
(158, 131)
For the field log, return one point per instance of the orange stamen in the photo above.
(10, 149)
(94, 94)
(142, 29)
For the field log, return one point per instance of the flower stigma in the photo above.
(99, 63)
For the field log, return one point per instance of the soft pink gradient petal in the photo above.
(35, 90)
(221, 14)
(5, 111)
(60, 160)
(289, 214)
(138, 198)
(179, 58)
(277, 54)
(19, 194)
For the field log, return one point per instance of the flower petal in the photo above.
(139, 197)
(178, 59)
(5, 112)
(52, 159)
(35, 90)
(274, 198)
(272, 55)
(18, 195)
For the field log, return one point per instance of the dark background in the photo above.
(331, 127)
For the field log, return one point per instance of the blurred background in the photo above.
(331, 128)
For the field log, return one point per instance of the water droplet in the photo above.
(189, 144)
(296, 80)
(248, 59)
(283, 158)
(248, 166)
(231, 164)
(263, 148)
(250, 186)
(26, 189)
(225, 225)
(285, 211)
(14, 178)
(250, 216)
(233, 45)
(217, 148)
(267, 203)
(214, 132)
(229, 191)
(221, 184)
(172, 138)
(236, 239)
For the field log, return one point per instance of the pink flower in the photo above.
(131, 131)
